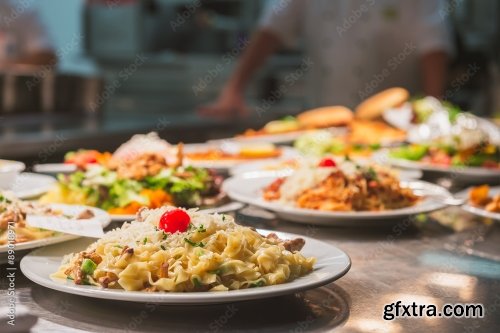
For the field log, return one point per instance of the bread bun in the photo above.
(373, 107)
(327, 116)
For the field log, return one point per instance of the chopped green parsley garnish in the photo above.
(195, 244)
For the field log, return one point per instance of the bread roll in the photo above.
(373, 107)
(327, 116)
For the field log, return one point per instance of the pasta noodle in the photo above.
(214, 254)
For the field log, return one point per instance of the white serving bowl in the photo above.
(9, 170)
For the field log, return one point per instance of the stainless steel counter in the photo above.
(42, 138)
(451, 257)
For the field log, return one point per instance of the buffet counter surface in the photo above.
(447, 257)
(40, 137)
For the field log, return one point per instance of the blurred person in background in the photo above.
(355, 48)
(23, 38)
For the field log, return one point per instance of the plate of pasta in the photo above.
(175, 256)
(337, 193)
(17, 234)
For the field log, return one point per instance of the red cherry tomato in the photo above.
(327, 163)
(174, 220)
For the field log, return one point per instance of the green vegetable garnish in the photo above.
(453, 111)
(412, 152)
(357, 146)
(218, 271)
(196, 281)
(289, 118)
(371, 174)
(201, 228)
(194, 244)
(88, 266)
(258, 283)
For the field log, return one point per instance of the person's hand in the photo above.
(231, 103)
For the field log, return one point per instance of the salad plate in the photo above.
(461, 173)
(249, 189)
(145, 181)
(332, 263)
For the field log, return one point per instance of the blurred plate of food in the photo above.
(137, 144)
(482, 201)
(225, 155)
(143, 172)
(361, 140)
(16, 233)
(428, 119)
(479, 162)
(337, 194)
(289, 128)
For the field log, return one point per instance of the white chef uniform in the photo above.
(359, 47)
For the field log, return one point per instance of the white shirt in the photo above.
(359, 47)
(21, 31)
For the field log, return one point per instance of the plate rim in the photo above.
(222, 209)
(196, 298)
(33, 193)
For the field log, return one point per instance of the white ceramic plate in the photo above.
(226, 208)
(332, 263)
(67, 209)
(261, 166)
(225, 165)
(55, 168)
(466, 174)
(30, 185)
(9, 170)
(248, 189)
(478, 210)
(283, 138)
